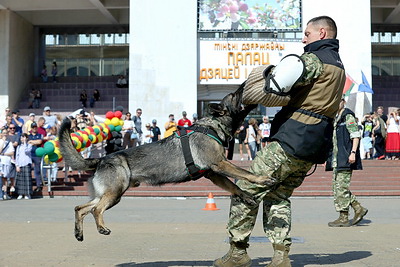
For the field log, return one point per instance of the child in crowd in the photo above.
(23, 162)
(6, 154)
(51, 135)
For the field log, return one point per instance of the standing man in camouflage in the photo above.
(345, 158)
(301, 136)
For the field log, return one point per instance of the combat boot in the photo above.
(342, 221)
(281, 256)
(236, 256)
(359, 212)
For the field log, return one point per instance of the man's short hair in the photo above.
(326, 21)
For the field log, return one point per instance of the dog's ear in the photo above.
(216, 109)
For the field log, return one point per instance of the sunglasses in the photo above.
(11, 128)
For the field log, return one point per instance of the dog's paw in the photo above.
(78, 235)
(104, 231)
(267, 181)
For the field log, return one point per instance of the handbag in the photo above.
(134, 135)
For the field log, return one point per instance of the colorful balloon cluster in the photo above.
(82, 139)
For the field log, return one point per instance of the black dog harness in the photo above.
(183, 133)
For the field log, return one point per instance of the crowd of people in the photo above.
(19, 140)
(380, 135)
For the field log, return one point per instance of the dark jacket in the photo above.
(304, 128)
(345, 144)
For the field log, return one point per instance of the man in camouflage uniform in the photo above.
(345, 159)
(301, 135)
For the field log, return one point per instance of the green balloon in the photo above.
(118, 128)
(48, 148)
(112, 127)
(39, 151)
(53, 157)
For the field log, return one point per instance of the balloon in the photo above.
(88, 143)
(77, 143)
(48, 147)
(39, 151)
(46, 159)
(53, 157)
(96, 129)
(111, 127)
(93, 138)
(107, 122)
(110, 115)
(85, 137)
(77, 136)
(115, 121)
(118, 114)
(89, 130)
(121, 122)
(118, 128)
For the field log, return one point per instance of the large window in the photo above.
(88, 54)
(385, 38)
(90, 67)
(87, 39)
(386, 66)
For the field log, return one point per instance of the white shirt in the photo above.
(393, 126)
(128, 124)
(265, 129)
(251, 133)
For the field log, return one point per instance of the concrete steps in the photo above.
(379, 178)
(63, 96)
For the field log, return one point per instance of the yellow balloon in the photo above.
(78, 143)
(84, 136)
(107, 121)
(121, 122)
(57, 151)
(94, 138)
(115, 121)
(46, 159)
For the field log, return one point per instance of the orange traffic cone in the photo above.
(210, 205)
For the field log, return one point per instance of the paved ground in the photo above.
(177, 232)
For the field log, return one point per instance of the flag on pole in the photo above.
(348, 86)
(365, 87)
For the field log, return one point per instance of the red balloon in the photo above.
(110, 115)
(118, 114)
(78, 136)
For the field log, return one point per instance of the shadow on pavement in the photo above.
(298, 260)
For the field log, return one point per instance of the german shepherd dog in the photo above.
(161, 162)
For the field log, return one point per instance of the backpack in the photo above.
(382, 125)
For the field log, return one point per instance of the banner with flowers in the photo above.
(249, 15)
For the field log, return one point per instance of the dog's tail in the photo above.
(71, 156)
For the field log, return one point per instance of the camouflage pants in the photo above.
(342, 197)
(290, 172)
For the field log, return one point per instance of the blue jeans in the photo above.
(253, 149)
(36, 170)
